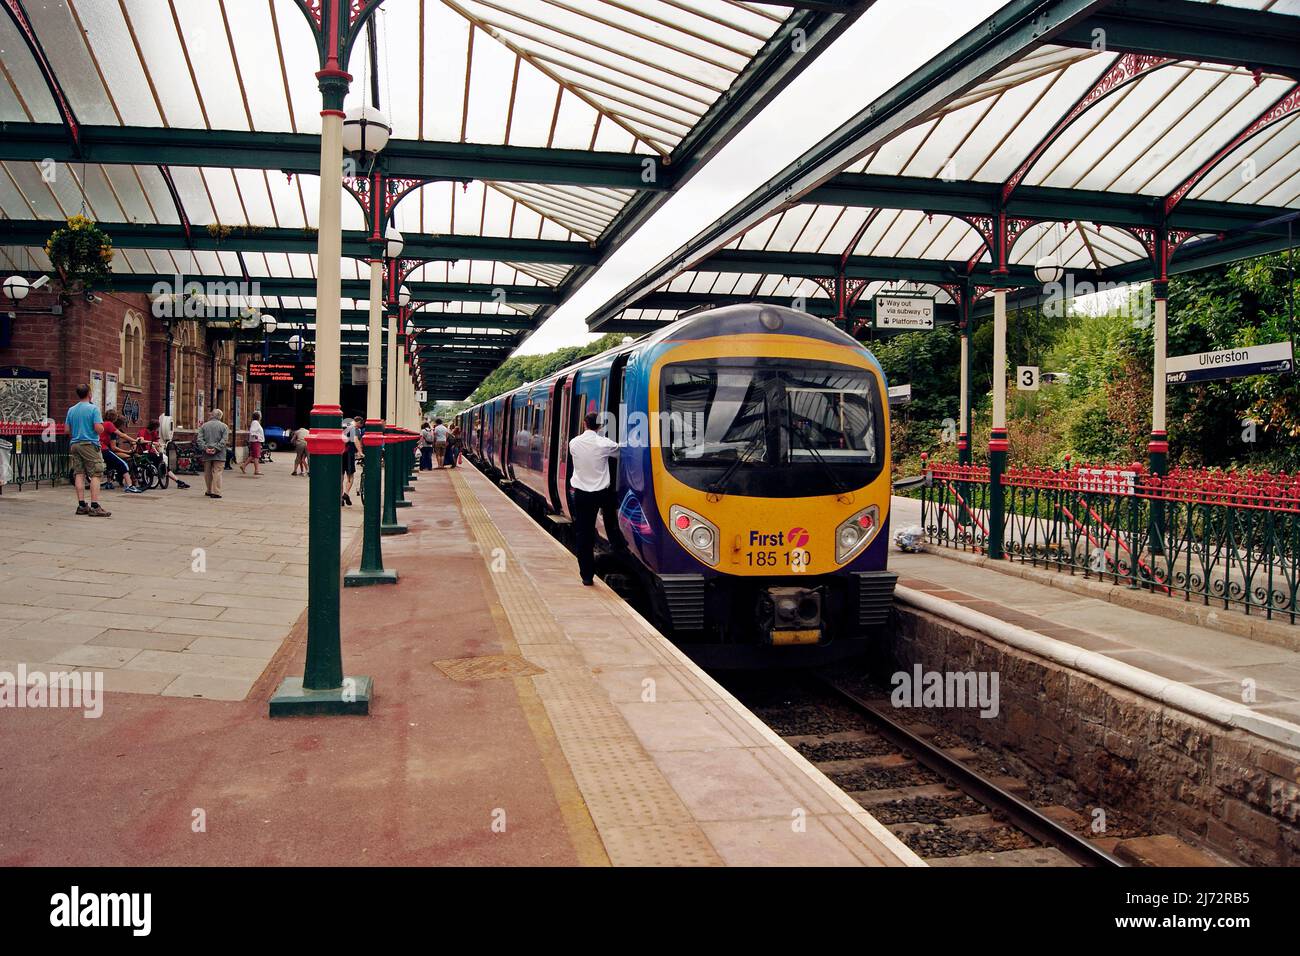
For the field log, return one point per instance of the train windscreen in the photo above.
(771, 427)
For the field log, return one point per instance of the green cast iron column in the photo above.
(401, 449)
(391, 445)
(372, 569)
(323, 689)
(998, 444)
(963, 425)
(1158, 446)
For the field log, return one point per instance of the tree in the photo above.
(518, 369)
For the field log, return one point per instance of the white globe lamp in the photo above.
(17, 287)
(393, 242)
(365, 130)
(1048, 269)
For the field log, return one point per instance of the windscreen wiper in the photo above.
(817, 457)
(718, 487)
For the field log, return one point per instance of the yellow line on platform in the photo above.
(587, 844)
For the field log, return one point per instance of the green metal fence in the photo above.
(1228, 539)
(34, 452)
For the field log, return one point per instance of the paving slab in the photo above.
(184, 571)
(519, 718)
(1190, 653)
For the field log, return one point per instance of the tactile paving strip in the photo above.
(640, 818)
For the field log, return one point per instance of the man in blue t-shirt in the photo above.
(85, 424)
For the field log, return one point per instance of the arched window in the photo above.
(185, 373)
(133, 349)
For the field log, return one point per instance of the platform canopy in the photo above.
(1103, 133)
(530, 137)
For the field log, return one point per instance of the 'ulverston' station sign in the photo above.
(1270, 359)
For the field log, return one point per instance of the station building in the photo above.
(133, 361)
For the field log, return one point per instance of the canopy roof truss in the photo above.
(1130, 138)
(532, 136)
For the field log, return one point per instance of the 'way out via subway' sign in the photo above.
(1268, 359)
(904, 312)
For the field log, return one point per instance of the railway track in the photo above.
(929, 792)
(996, 795)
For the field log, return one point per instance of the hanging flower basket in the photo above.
(81, 253)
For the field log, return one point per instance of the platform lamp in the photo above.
(1048, 268)
(366, 131)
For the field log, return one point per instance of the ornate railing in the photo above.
(35, 453)
(954, 506)
(1219, 538)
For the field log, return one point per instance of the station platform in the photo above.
(519, 718)
(1214, 659)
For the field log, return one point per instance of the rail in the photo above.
(32, 452)
(1223, 538)
(1020, 813)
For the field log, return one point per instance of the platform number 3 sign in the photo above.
(1027, 378)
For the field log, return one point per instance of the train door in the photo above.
(505, 434)
(612, 401)
(551, 459)
(566, 432)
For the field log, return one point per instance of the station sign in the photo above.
(1271, 359)
(421, 397)
(1107, 481)
(280, 371)
(900, 394)
(1027, 378)
(360, 374)
(904, 312)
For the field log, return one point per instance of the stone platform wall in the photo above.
(1224, 789)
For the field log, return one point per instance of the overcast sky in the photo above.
(890, 40)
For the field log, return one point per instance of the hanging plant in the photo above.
(81, 253)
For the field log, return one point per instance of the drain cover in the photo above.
(488, 667)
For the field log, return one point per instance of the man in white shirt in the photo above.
(589, 455)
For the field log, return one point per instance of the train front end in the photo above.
(768, 504)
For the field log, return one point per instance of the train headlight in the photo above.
(702, 538)
(854, 533)
(698, 535)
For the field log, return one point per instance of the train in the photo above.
(752, 481)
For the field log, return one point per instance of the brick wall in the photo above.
(87, 336)
(90, 336)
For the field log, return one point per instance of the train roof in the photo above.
(746, 318)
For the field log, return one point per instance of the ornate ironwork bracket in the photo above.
(999, 232)
(392, 188)
(1123, 71)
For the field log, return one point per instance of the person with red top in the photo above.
(147, 439)
(112, 446)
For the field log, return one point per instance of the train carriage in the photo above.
(752, 483)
